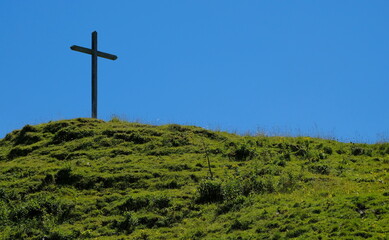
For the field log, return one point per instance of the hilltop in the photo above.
(90, 179)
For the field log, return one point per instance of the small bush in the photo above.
(327, 150)
(175, 140)
(19, 151)
(296, 233)
(242, 152)
(197, 234)
(178, 167)
(177, 128)
(231, 189)
(172, 184)
(118, 152)
(279, 162)
(340, 151)
(128, 224)
(55, 127)
(357, 151)
(149, 221)
(231, 205)
(4, 213)
(257, 185)
(363, 234)
(49, 179)
(301, 153)
(210, 191)
(240, 225)
(71, 133)
(383, 149)
(322, 156)
(66, 177)
(27, 138)
(134, 137)
(286, 156)
(3, 194)
(134, 204)
(320, 169)
(160, 202)
(272, 225)
(287, 183)
(37, 207)
(207, 134)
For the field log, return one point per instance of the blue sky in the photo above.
(306, 67)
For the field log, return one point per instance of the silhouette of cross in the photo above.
(93, 51)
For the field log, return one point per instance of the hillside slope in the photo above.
(90, 179)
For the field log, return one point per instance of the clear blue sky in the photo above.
(300, 67)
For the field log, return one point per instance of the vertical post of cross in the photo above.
(94, 74)
(94, 53)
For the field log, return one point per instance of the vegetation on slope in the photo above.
(89, 179)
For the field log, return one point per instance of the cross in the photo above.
(94, 54)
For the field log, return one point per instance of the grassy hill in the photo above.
(90, 179)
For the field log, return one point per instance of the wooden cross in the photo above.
(94, 54)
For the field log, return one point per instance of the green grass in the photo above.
(90, 179)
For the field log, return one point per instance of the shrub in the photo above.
(178, 167)
(61, 154)
(272, 225)
(26, 137)
(149, 220)
(242, 152)
(134, 204)
(197, 234)
(4, 212)
(340, 151)
(3, 194)
(160, 202)
(49, 179)
(66, 177)
(279, 162)
(287, 183)
(301, 152)
(296, 233)
(40, 205)
(55, 127)
(19, 151)
(320, 169)
(134, 137)
(175, 140)
(116, 119)
(210, 191)
(383, 149)
(363, 234)
(207, 134)
(177, 128)
(357, 151)
(327, 150)
(286, 156)
(128, 224)
(251, 184)
(162, 222)
(322, 156)
(172, 184)
(231, 205)
(71, 133)
(120, 151)
(231, 189)
(240, 225)
(257, 185)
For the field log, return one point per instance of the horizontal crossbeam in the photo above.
(90, 51)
